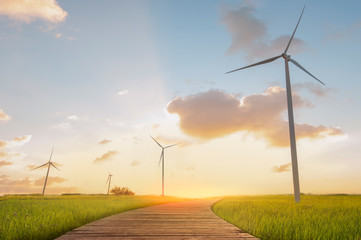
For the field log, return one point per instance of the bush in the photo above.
(121, 191)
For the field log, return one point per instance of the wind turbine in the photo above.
(162, 159)
(287, 58)
(49, 163)
(109, 179)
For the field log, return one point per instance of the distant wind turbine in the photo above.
(109, 179)
(162, 159)
(49, 163)
(296, 185)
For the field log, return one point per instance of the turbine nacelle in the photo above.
(286, 57)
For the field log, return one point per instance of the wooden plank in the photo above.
(174, 221)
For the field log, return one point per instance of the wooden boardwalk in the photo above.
(181, 220)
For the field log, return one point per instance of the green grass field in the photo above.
(37, 217)
(279, 217)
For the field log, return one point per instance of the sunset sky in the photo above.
(95, 78)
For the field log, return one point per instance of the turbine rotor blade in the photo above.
(156, 141)
(160, 159)
(40, 166)
(106, 181)
(171, 145)
(52, 150)
(302, 68)
(255, 64)
(51, 163)
(293, 34)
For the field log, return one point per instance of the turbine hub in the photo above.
(286, 57)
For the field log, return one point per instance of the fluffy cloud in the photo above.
(123, 92)
(4, 163)
(3, 144)
(282, 168)
(313, 88)
(51, 180)
(72, 118)
(249, 34)
(10, 155)
(29, 10)
(134, 163)
(3, 155)
(27, 185)
(104, 141)
(3, 116)
(58, 35)
(4, 180)
(15, 142)
(61, 126)
(215, 114)
(341, 33)
(106, 156)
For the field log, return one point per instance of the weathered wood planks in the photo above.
(181, 220)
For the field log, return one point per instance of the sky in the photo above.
(94, 79)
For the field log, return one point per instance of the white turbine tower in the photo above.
(49, 163)
(287, 59)
(162, 159)
(109, 179)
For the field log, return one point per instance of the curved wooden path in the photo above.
(174, 221)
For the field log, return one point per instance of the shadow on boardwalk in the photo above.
(181, 220)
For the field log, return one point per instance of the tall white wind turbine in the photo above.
(49, 163)
(109, 179)
(287, 58)
(161, 159)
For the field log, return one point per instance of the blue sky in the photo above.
(85, 72)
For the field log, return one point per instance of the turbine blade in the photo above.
(107, 181)
(255, 64)
(156, 141)
(302, 68)
(52, 150)
(293, 34)
(54, 166)
(160, 159)
(40, 166)
(171, 145)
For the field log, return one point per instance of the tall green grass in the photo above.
(37, 217)
(279, 217)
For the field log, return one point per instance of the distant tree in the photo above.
(121, 191)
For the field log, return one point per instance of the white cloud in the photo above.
(282, 168)
(249, 34)
(5, 163)
(27, 185)
(104, 141)
(214, 114)
(111, 123)
(15, 142)
(73, 118)
(58, 35)
(61, 126)
(123, 92)
(313, 88)
(342, 33)
(6, 156)
(106, 156)
(29, 10)
(3, 116)
(135, 163)
(51, 180)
